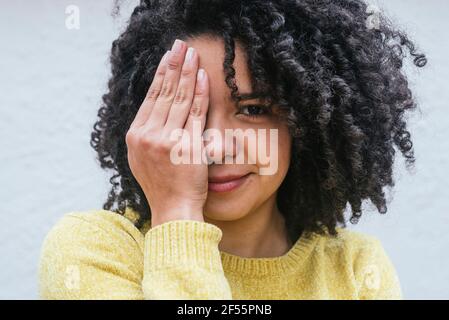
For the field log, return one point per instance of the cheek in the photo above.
(271, 182)
(273, 150)
(284, 146)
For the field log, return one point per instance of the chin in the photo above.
(225, 210)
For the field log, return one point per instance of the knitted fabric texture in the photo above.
(99, 254)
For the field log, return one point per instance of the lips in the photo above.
(226, 183)
(226, 178)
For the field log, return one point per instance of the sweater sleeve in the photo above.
(101, 255)
(375, 274)
(182, 261)
(93, 255)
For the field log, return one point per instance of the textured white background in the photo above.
(52, 79)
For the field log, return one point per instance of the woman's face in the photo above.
(264, 169)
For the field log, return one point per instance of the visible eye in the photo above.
(254, 110)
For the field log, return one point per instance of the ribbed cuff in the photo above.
(183, 243)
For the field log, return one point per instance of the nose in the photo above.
(221, 145)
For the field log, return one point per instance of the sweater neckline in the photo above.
(290, 261)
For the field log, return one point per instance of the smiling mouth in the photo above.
(226, 184)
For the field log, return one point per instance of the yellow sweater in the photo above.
(99, 254)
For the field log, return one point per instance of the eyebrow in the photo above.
(252, 95)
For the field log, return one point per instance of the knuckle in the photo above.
(162, 146)
(172, 63)
(130, 137)
(160, 73)
(181, 95)
(195, 109)
(153, 93)
(199, 91)
(199, 94)
(186, 71)
(167, 90)
(146, 141)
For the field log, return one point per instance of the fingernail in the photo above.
(164, 58)
(201, 74)
(177, 46)
(189, 55)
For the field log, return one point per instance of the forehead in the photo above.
(211, 56)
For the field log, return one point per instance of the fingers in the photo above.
(198, 111)
(153, 92)
(169, 87)
(182, 102)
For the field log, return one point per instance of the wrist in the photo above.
(159, 217)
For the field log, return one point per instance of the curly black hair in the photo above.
(340, 82)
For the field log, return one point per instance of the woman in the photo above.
(324, 76)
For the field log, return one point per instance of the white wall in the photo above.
(52, 79)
